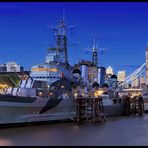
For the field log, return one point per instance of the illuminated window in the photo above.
(40, 93)
(62, 86)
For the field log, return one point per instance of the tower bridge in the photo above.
(132, 77)
(142, 70)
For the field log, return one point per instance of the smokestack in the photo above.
(147, 65)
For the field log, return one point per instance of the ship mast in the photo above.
(61, 41)
(95, 54)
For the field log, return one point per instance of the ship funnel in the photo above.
(84, 73)
(101, 75)
(76, 74)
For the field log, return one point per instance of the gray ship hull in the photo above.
(41, 109)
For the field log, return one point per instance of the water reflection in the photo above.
(5, 142)
(116, 131)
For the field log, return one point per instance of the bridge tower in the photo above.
(147, 65)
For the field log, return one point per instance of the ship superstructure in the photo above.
(56, 62)
(54, 67)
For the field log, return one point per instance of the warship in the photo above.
(50, 91)
(47, 93)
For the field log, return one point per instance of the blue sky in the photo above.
(119, 27)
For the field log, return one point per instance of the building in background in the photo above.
(135, 82)
(142, 82)
(11, 67)
(121, 76)
(109, 71)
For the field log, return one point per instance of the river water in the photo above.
(120, 131)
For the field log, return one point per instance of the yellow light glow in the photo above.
(135, 94)
(62, 86)
(45, 69)
(75, 94)
(40, 93)
(3, 86)
(98, 93)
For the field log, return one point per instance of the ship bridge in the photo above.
(50, 72)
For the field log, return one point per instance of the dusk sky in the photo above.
(119, 27)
